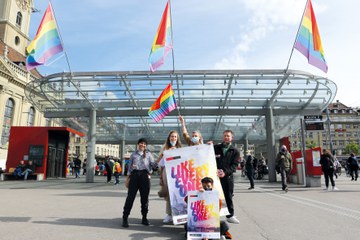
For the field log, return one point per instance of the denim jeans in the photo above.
(26, 173)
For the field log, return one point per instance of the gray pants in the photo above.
(284, 175)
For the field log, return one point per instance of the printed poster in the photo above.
(316, 155)
(203, 215)
(185, 167)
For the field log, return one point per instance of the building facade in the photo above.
(340, 129)
(15, 108)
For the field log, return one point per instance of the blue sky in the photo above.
(116, 35)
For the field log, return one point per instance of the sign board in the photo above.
(203, 215)
(313, 123)
(185, 167)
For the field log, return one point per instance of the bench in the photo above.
(10, 176)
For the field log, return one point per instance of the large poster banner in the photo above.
(185, 167)
(203, 215)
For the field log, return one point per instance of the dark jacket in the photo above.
(327, 162)
(249, 164)
(229, 162)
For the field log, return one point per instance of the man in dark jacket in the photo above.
(353, 166)
(109, 164)
(77, 167)
(250, 170)
(284, 164)
(227, 160)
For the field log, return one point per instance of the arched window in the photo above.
(8, 115)
(18, 19)
(31, 117)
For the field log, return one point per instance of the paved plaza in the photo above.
(72, 209)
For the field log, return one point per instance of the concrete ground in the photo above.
(72, 209)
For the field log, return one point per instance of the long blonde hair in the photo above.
(167, 144)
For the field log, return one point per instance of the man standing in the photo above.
(353, 164)
(227, 160)
(284, 164)
(250, 171)
(77, 166)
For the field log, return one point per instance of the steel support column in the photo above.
(122, 156)
(91, 147)
(270, 140)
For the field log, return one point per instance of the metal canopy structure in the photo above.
(210, 101)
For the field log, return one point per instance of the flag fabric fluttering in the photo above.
(163, 105)
(162, 44)
(46, 43)
(308, 40)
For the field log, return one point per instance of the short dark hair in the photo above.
(207, 180)
(142, 140)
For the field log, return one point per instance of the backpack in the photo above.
(117, 168)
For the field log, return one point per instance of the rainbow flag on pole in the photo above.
(308, 40)
(161, 45)
(163, 105)
(46, 43)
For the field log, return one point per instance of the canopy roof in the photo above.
(210, 101)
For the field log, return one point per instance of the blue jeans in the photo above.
(26, 173)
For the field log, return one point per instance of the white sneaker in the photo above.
(325, 189)
(222, 237)
(233, 219)
(167, 219)
(335, 189)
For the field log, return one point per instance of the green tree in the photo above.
(310, 144)
(352, 148)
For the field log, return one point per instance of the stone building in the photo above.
(344, 126)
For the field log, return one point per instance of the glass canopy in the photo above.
(210, 101)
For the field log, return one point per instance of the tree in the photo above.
(352, 148)
(310, 144)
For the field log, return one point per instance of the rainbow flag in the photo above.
(161, 45)
(308, 40)
(163, 105)
(46, 43)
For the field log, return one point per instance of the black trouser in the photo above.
(227, 184)
(108, 174)
(354, 172)
(139, 180)
(329, 173)
(250, 176)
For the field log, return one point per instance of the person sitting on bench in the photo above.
(29, 169)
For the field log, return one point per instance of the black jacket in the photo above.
(229, 162)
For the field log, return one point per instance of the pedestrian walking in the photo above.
(284, 164)
(327, 166)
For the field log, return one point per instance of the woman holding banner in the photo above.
(172, 142)
(196, 138)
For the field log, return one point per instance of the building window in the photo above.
(31, 117)
(97, 151)
(17, 40)
(77, 140)
(18, 19)
(77, 150)
(8, 115)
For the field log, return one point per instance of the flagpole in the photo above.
(61, 40)
(297, 33)
(67, 60)
(172, 38)
(173, 58)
